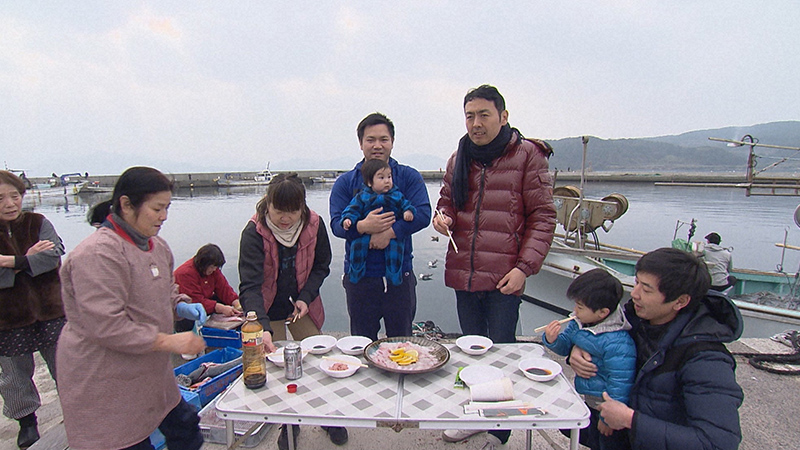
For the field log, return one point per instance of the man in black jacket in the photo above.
(685, 394)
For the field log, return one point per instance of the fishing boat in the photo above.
(259, 179)
(94, 187)
(55, 190)
(768, 301)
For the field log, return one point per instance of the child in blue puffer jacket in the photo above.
(601, 329)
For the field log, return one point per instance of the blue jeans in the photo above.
(181, 428)
(489, 313)
(373, 299)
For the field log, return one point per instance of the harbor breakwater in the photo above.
(209, 179)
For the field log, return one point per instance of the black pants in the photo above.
(372, 299)
(182, 325)
(181, 429)
(731, 281)
(592, 438)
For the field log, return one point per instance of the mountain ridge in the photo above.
(688, 152)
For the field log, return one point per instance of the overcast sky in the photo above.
(98, 86)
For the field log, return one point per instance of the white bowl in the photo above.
(473, 344)
(352, 366)
(319, 344)
(277, 357)
(353, 345)
(549, 366)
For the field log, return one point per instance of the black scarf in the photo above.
(484, 154)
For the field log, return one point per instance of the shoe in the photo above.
(338, 435)
(784, 337)
(283, 438)
(28, 431)
(458, 435)
(493, 443)
(188, 357)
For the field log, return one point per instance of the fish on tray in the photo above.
(207, 370)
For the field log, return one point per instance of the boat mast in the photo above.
(585, 140)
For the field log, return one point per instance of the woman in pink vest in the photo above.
(284, 256)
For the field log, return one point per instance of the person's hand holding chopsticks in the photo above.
(552, 329)
(442, 223)
(300, 310)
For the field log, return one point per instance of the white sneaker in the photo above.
(188, 357)
(459, 435)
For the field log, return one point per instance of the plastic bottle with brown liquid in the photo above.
(254, 363)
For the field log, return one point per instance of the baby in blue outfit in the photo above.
(379, 192)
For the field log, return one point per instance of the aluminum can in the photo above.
(293, 361)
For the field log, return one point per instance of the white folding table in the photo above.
(376, 398)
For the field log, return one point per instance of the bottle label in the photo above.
(252, 339)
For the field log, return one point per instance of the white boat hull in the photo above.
(551, 283)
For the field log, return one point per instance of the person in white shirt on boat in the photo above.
(719, 262)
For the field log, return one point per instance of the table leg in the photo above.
(573, 438)
(229, 432)
(290, 435)
(528, 439)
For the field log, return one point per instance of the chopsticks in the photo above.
(562, 321)
(449, 235)
(341, 361)
(294, 305)
(305, 352)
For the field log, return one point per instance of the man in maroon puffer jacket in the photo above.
(497, 201)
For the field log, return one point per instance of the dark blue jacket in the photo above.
(410, 183)
(693, 404)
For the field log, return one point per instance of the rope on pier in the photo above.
(769, 362)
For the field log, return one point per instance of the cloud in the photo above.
(163, 83)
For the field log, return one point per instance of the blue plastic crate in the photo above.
(156, 438)
(216, 337)
(207, 391)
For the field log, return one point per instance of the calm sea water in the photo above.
(751, 226)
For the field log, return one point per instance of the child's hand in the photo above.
(604, 429)
(346, 224)
(408, 216)
(552, 330)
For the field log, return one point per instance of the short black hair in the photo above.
(596, 289)
(207, 256)
(370, 168)
(713, 238)
(487, 92)
(375, 118)
(678, 273)
(286, 192)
